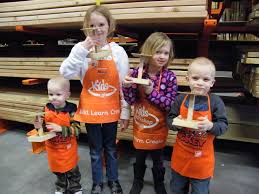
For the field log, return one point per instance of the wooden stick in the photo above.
(191, 107)
(139, 79)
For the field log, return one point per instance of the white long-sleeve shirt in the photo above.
(77, 63)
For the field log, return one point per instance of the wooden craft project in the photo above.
(139, 79)
(97, 54)
(188, 122)
(41, 136)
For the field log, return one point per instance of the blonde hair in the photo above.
(156, 41)
(202, 62)
(102, 10)
(61, 82)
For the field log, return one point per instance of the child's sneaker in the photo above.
(97, 188)
(115, 187)
(59, 192)
(79, 192)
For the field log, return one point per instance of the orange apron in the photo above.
(193, 154)
(99, 99)
(62, 151)
(149, 124)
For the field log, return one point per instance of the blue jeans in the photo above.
(102, 137)
(180, 184)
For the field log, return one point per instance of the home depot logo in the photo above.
(101, 89)
(144, 119)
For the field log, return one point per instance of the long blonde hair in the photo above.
(156, 41)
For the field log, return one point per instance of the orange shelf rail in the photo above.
(3, 126)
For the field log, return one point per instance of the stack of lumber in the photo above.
(249, 71)
(69, 14)
(46, 68)
(254, 16)
(21, 106)
(243, 122)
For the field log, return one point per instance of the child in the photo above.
(193, 154)
(150, 104)
(62, 149)
(100, 102)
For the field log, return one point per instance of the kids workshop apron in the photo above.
(62, 151)
(99, 99)
(193, 154)
(149, 126)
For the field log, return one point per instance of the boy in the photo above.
(193, 154)
(62, 149)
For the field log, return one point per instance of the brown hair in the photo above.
(156, 41)
(102, 10)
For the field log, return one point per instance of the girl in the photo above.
(150, 103)
(101, 105)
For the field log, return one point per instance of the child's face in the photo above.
(100, 22)
(200, 79)
(57, 95)
(161, 57)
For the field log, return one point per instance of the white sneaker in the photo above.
(79, 192)
(58, 192)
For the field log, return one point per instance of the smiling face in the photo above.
(98, 21)
(160, 47)
(201, 77)
(161, 57)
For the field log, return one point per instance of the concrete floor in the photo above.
(21, 172)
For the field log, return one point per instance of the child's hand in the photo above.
(179, 127)
(93, 62)
(127, 82)
(53, 127)
(149, 88)
(204, 124)
(38, 122)
(90, 42)
(124, 123)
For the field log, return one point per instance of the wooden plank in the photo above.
(252, 54)
(16, 118)
(72, 13)
(244, 133)
(145, 18)
(131, 8)
(242, 114)
(21, 106)
(29, 63)
(35, 59)
(168, 16)
(125, 4)
(23, 112)
(31, 71)
(55, 4)
(251, 61)
(22, 3)
(21, 67)
(27, 75)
